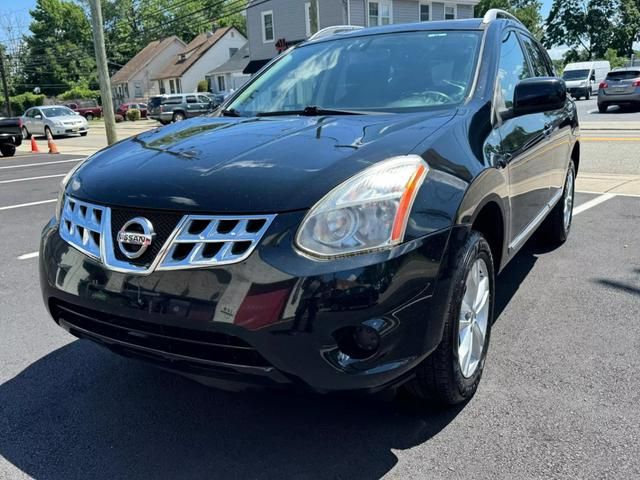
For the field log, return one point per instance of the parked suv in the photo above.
(88, 109)
(338, 225)
(621, 87)
(175, 108)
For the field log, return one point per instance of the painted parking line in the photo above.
(27, 256)
(30, 204)
(592, 203)
(41, 163)
(27, 179)
(610, 139)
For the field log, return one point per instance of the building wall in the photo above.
(289, 18)
(214, 57)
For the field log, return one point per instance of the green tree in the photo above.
(628, 29)
(589, 25)
(527, 11)
(60, 48)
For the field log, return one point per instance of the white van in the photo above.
(583, 78)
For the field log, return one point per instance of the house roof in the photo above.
(192, 53)
(142, 58)
(237, 63)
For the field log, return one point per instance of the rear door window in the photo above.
(192, 99)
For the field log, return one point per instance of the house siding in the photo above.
(289, 18)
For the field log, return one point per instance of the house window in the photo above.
(425, 11)
(161, 86)
(268, 34)
(380, 13)
(232, 52)
(178, 86)
(172, 86)
(221, 85)
(137, 86)
(450, 12)
(312, 22)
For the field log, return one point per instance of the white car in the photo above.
(53, 120)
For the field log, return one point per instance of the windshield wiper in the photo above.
(310, 111)
(232, 112)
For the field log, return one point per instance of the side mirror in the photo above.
(541, 94)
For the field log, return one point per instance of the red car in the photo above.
(122, 109)
(88, 110)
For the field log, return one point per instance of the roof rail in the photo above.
(333, 30)
(496, 13)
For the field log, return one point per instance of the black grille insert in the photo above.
(193, 345)
(163, 225)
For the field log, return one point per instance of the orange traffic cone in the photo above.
(51, 143)
(34, 146)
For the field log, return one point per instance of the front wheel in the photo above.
(89, 117)
(588, 95)
(83, 134)
(178, 117)
(451, 374)
(25, 133)
(556, 227)
(7, 150)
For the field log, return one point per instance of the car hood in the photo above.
(66, 118)
(246, 165)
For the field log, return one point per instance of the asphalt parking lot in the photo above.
(559, 399)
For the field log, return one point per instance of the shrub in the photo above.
(22, 102)
(119, 118)
(203, 86)
(133, 114)
(80, 92)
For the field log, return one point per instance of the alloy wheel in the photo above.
(474, 318)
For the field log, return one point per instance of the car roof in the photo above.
(465, 24)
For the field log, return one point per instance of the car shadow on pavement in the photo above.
(82, 412)
(624, 287)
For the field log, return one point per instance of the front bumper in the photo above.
(578, 91)
(276, 318)
(68, 130)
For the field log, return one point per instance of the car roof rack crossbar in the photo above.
(496, 13)
(334, 30)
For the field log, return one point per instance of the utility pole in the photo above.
(103, 72)
(5, 88)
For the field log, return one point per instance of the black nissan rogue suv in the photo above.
(338, 224)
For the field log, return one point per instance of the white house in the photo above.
(205, 52)
(133, 82)
(229, 76)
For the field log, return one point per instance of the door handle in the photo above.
(501, 161)
(548, 129)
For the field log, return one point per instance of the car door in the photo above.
(524, 143)
(37, 124)
(205, 102)
(193, 107)
(557, 122)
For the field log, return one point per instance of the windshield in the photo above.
(575, 74)
(388, 73)
(57, 112)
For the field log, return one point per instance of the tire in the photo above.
(444, 377)
(557, 226)
(588, 95)
(47, 132)
(7, 150)
(89, 117)
(602, 108)
(25, 134)
(83, 134)
(178, 117)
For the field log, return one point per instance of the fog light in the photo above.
(366, 338)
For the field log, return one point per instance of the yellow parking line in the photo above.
(610, 139)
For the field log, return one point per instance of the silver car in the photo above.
(621, 87)
(53, 120)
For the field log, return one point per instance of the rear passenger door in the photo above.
(557, 124)
(524, 143)
(193, 106)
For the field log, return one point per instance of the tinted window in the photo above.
(192, 99)
(392, 72)
(172, 100)
(512, 68)
(575, 74)
(154, 102)
(623, 75)
(538, 59)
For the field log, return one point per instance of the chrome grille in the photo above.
(81, 225)
(196, 241)
(204, 240)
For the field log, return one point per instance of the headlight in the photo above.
(367, 212)
(57, 123)
(63, 186)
